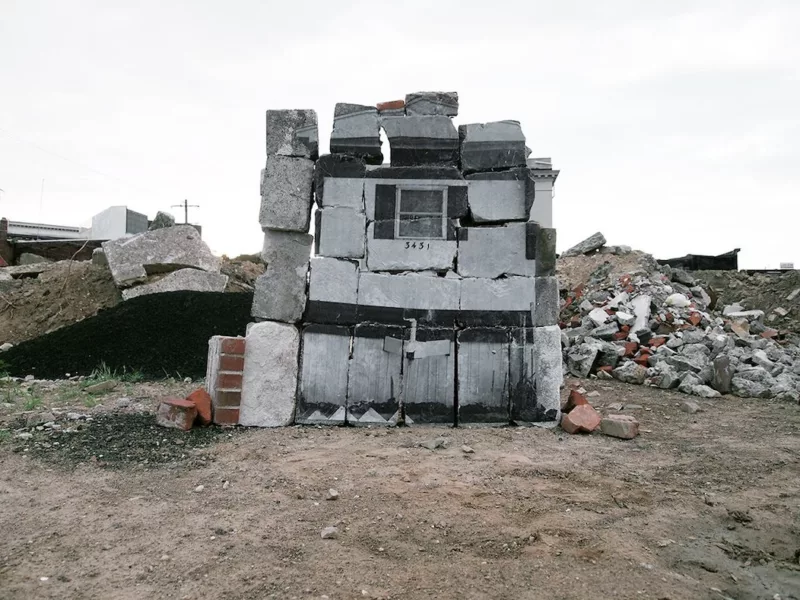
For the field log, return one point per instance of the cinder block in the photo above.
(341, 233)
(483, 375)
(488, 146)
(280, 293)
(408, 254)
(545, 252)
(292, 133)
(546, 304)
(549, 374)
(270, 375)
(287, 194)
(494, 251)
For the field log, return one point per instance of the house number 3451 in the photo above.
(418, 245)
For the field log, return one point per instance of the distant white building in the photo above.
(112, 223)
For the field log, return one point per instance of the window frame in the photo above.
(422, 187)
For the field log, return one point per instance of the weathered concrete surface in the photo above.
(162, 220)
(487, 146)
(409, 255)
(545, 307)
(548, 369)
(483, 376)
(280, 293)
(415, 291)
(508, 294)
(356, 131)
(269, 382)
(545, 252)
(374, 376)
(323, 381)
(340, 233)
(345, 192)
(183, 279)
(292, 133)
(132, 259)
(287, 194)
(333, 280)
(432, 103)
(492, 200)
(590, 244)
(429, 378)
(494, 251)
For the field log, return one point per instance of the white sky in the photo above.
(676, 127)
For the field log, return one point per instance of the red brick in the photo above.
(391, 105)
(625, 328)
(630, 289)
(575, 399)
(233, 345)
(619, 336)
(202, 401)
(606, 368)
(229, 381)
(610, 312)
(770, 333)
(176, 413)
(582, 419)
(228, 399)
(568, 302)
(625, 280)
(226, 416)
(695, 319)
(657, 341)
(575, 321)
(231, 363)
(631, 348)
(578, 291)
(670, 317)
(642, 360)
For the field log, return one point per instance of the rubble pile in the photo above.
(656, 327)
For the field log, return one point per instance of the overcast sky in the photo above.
(676, 127)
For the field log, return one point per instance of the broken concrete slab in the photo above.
(492, 146)
(280, 293)
(356, 131)
(588, 245)
(132, 259)
(432, 103)
(292, 133)
(495, 251)
(287, 194)
(421, 140)
(181, 280)
(624, 427)
(340, 233)
(269, 380)
(409, 255)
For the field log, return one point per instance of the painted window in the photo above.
(421, 212)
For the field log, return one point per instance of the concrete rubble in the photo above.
(655, 327)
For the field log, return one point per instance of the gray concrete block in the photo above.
(507, 294)
(548, 370)
(347, 192)
(323, 379)
(483, 376)
(287, 194)
(421, 140)
(545, 252)
(269, 380)
(292, 133)
(429, 378)
(432, 103)
(409, 255)
(182, 280)
(132, 259)
(546, 304)
(487, 146)
(494, 251)
(333, 280)
(280, 293)
(492, 200)
(413, 291)
(341, 233)
(356, 131)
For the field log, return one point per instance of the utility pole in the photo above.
(185, 206)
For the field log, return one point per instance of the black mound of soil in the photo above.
(159, 335)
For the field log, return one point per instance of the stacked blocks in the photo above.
(431, 296)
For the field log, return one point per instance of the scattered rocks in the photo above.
(332, 495)
(329, 533)
(624, 427)
(630, 372)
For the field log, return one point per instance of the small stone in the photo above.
(467, 449)
(630, 372)
(624, 427)
(226, 485)
(199, 488)
(30, 378)
(690, 407)
(330, 533)
(616, 406)
(433, 444)
(332, 495)
(164, 557)
(102, 387)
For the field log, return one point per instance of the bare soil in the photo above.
(699, 506)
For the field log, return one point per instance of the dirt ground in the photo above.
(699, 506)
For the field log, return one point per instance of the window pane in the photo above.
(420, 227)
(425, 201)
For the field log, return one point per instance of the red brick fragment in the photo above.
(655, 342)
(625, 280)
(229, 381)
(575, 399)
(578, 291)
(630, 349)
(228, 399)
(642, 360)
(770, 333)
(176, 413)
(582, 419)
(630, 289)
(391, 105)
(670, 317)
(233, 346)
(625, 328)
(575, 321)
(606, 368)
(619, 336)
(695, 319)
(202, 401)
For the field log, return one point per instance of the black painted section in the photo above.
(413, 156)
(429, 412)
(452, 230)
(395, 172)
(480, 413)
(380, 331)
(382, 314)
(385, 207)
(319, 311)
(494, 318)
(305, 409)
(522, 335)
(523, 390)
(463, 234)
(367, 148)
(317, 230)
(336, 165)
(158, 335)
(531, 235)
(328, 329)
(386, 409)
(546, 252)
(530, 191)
(457, 202)
(492, 156)
(484, 335)
(434, 334)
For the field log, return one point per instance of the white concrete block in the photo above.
(547, 368)
(333, 280)
(508, 294)
(497, 200)
(341, 233)
(494, 251)
(408, 291)
(345, 192)
(409, 255)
